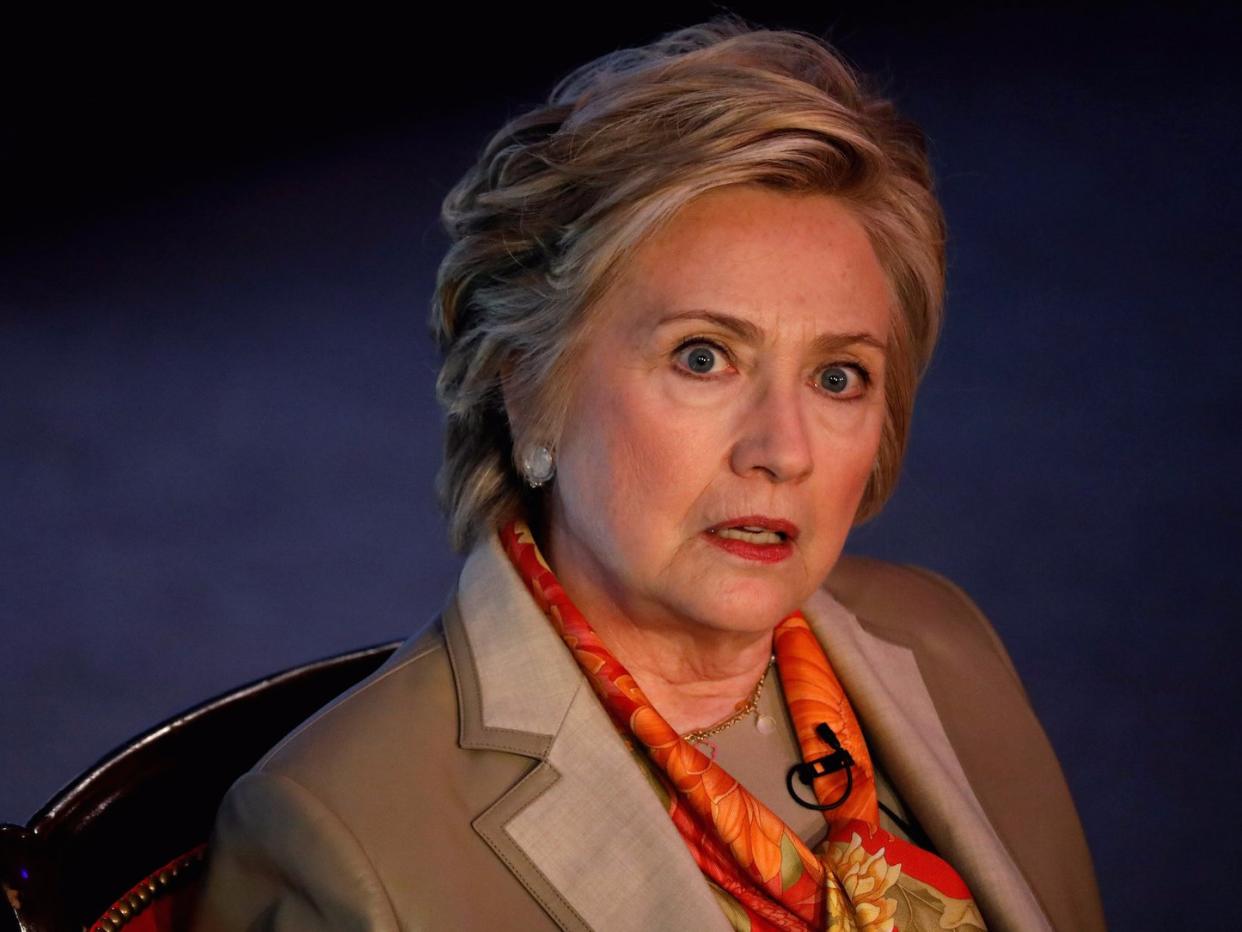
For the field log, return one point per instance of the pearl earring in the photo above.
(537, 465)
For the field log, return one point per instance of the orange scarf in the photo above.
(764, 876)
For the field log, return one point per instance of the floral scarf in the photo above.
(763, 875)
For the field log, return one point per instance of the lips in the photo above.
(755, 537)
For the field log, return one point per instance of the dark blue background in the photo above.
(219, 431)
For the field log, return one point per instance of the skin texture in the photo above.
(778, 289)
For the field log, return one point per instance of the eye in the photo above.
(844, 381)
(699, 357)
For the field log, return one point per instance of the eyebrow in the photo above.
(748, 331)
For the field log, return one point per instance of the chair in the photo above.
(121, 847)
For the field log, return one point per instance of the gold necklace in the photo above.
(743, 709)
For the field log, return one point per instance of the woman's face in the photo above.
(726, 415)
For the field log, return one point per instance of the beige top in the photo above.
(475, 781)
(760, 761)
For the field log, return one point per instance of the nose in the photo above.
(774, 440)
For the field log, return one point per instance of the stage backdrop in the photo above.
(220, 433)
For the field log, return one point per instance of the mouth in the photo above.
(755, 537)
(756, 529)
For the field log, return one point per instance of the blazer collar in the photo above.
(609, 860)
(614, 860)
(879, 669)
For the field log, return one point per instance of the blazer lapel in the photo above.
(584, 830)
(880, 672)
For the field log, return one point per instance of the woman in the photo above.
(683, 317)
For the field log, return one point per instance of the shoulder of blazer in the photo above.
(988, 719)
(384, 759)
(916, 604)
(377, 781)
(416, 653)
(401, 721)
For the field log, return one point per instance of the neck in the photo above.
(693, 679)
(694, 674)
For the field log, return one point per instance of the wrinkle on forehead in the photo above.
(721, 251)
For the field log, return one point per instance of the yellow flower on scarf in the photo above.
(865, 878)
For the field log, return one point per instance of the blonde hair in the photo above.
(561, 195)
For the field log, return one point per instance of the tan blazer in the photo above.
(475, 781)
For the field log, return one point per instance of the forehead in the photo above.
(768, 255)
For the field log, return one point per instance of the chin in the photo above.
(750, 605)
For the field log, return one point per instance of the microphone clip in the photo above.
(807, 773)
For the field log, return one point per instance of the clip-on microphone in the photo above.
(839, 759)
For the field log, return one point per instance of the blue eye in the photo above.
(699, 358)
(840, 379)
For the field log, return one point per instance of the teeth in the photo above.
(750, 535)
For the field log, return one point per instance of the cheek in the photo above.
(602, 457)
(647, 453)
(849, 455)
(628, 453)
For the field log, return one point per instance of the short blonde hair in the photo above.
(541, 224)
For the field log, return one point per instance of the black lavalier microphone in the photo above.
(839, 759)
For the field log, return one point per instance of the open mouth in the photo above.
(757, 538)
(757, 530)
(752, 535)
